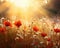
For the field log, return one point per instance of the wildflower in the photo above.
(57, 30)
(18, 23)
(48, 39)
(43, 34)
(35, 28)
(7, 23)
(2, 30)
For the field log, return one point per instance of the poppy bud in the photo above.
(35, 28)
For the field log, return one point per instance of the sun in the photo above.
(21, 3)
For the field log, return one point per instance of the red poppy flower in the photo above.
(48, 39)
(2, 29)
(7, 23)
(43, 34)
(18, 23)
(35, 28)
(57, 30)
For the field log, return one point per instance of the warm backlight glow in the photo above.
(21, 3)
(27, 9)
